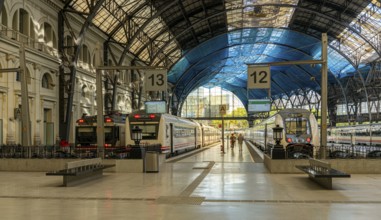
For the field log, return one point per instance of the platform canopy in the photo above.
(209, 42)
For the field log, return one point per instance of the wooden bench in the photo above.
(322, 173)
(80, 171)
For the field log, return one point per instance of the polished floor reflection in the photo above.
(206, 185)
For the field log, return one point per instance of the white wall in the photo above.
(41, 60)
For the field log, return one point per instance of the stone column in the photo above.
(36, 121)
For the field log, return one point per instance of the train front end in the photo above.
(300, 134)
(152, 135)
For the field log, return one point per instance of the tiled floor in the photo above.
(207, 185)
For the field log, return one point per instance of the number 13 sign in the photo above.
(258, 77)
(156, 80)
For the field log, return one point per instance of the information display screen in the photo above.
(259, 105)
(155, 107)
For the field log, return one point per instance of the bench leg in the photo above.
(74, 180)
(323, 181)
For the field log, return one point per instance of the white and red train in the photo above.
(367, 134)
(174, 134)
(300, 132)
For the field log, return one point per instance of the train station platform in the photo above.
(205, 185)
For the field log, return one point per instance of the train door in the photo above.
(171, 137)
(353, 137)
(195, 137)
(203, 137)
(265, 140)
(48, 127)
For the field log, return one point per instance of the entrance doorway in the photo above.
(48, 127)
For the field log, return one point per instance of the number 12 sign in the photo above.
(156, 80)
(258, 77)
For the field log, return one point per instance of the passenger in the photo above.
(240, 141)
(232, 140)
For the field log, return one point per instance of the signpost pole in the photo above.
(222, 113)
(223, 136)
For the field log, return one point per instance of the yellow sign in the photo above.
(222, 109)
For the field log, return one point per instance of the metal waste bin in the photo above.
(151, 162)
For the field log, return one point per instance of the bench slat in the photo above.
(330, 173)
(322, 173)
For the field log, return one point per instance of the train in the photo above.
(300, 133)
(366, 134)
(173, 134)
(114, 130)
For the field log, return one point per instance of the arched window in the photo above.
(23, 23)
(47, 81)
(49, 36)
(4, 18)
(85, 54)
(205, 102)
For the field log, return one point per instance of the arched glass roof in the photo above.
(209, 42)
(222, 61)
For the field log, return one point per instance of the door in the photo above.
(49, 133)
(48, 128)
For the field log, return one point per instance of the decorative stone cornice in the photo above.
(11, 57)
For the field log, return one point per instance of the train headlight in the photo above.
(152, 116)
(136, 116)
(289, 140)
(308, 139)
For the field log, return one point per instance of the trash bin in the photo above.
(151, 162)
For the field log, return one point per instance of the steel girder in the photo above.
(1, 5)
(333, 19)
(65, 126)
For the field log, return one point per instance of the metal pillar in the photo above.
(223, 135)
(1, 4)
(99, 100)
(26, 132)
(100, 117)
(324, 96)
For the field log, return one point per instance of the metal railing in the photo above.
(56, 151)
(346, 151)
(338, 151)
(11, 34)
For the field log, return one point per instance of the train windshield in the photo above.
(149, 132)
(86, 135)
(297, 126)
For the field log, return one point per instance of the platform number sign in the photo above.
(156, 80)
(258, 77)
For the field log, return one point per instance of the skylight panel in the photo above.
(259, 13)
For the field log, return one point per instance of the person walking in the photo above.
(240, 141)
(232, 140)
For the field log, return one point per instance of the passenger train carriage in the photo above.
(174, 134)
(367, 134)
(114, 129)
(300, 132)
